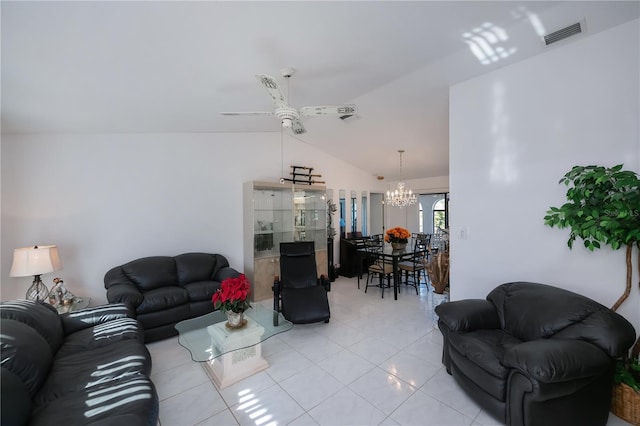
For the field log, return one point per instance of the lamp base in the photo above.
(38, 291)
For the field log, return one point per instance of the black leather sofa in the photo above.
(88, 367)
(533, 354)
(165, 290)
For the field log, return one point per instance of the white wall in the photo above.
(514, 133)
(108, 199)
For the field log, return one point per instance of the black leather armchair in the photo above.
(533, 354)
(164, 290)
(299, 294)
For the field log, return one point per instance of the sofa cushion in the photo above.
(40, 316)
(202, 290)
(485, 348)
(519, 309)
(74, 372)
(169, 316)
(125, 401)
(151, 272)
(88, 317)
(102, 335)
(194, 267)
(496, 387)
(163, 298)
(25, 353)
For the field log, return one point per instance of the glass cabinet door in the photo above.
(272, 220)
(310, 221)
(289, 213)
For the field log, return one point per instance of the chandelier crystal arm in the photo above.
(401, 197)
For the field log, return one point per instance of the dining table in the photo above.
(388, 253)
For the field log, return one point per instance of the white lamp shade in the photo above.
(28, 261)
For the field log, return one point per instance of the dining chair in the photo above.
(377, 266)
(414, 268)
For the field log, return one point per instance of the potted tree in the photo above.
(438, 271)
(603, 209)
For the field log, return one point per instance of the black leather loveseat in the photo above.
(88, 367)
(165, 290)
(533, 354)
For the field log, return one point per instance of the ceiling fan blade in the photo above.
(297, 128)
(246, 113)
(340, 110)
(273, 89)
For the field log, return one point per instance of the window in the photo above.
(343, 212)
(433, 212)
(364, 212)
(439, 216)
(354, 214)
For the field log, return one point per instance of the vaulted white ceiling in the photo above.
(107, 67)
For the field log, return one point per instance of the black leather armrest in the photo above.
(468, 315)
(224, 273)
(125, 293)
(88, 317)
(16, 401)
(557, 360)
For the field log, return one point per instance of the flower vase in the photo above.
(235, 319)
(437, 299)
(399, 246)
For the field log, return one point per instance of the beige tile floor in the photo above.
(376, 363)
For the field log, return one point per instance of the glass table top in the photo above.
(206, 337)
(77, 304)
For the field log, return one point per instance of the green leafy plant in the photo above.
(331, 209)
(603, 209)
(628, 372)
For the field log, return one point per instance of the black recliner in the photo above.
(299, 294)
(533, 354)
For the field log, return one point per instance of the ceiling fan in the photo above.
(289, 116)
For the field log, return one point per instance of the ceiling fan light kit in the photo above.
(290, 117)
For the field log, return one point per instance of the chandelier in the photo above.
(401, 197)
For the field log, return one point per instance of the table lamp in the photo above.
(35, 261)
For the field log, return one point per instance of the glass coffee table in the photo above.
(231, 354)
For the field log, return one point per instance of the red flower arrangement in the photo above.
(232, 295)
(397, 235)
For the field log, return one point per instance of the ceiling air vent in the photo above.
(571, 30)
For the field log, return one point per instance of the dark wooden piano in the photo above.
(349, 256)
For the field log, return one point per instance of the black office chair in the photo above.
(299, 294)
